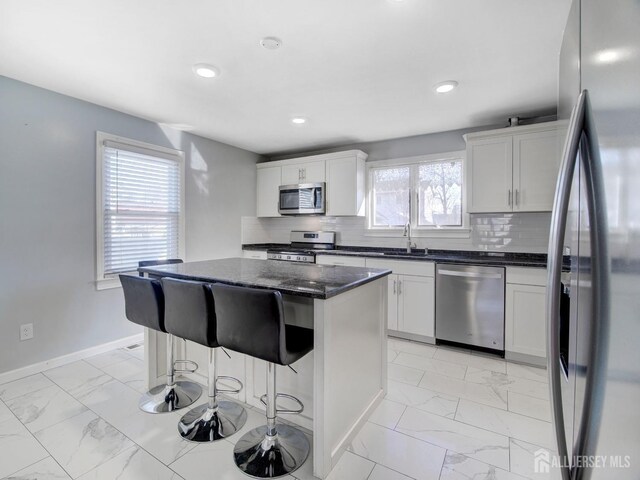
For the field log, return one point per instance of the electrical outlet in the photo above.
(26, 331)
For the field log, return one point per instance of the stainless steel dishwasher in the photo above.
(470, 305)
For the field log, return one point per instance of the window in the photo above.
(391, 188)
(140, 200)
(424, 191)
(440, 194)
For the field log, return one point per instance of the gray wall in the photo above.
(47, 217)
(399, 147)
(449, 141)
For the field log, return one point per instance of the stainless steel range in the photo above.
(304, 246)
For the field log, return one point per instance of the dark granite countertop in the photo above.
(306, 280)
(510, 259)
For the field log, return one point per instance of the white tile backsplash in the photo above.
(511, 232)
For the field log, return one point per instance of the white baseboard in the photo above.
(69, 358)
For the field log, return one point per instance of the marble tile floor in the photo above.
(449, 415)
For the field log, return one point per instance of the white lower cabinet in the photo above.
(392, 302)
(340, 260)
(257, 254)
(416, 312)
(411, 297)
(525, 320)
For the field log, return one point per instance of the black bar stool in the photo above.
(251, 321)
(190, 314)
(179, 365)
(144, 305)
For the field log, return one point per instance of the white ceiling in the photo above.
(359, 70)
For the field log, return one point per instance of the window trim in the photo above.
(112, 281)
(462, 231)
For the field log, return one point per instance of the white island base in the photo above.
(340, 383)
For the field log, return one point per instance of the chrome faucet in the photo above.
(407, 233)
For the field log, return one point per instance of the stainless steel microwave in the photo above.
(302, 199)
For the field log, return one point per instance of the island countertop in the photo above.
(306, 280)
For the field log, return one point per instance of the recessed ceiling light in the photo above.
(271, 43)
(205, 70)
(445, 87)
(298, 120)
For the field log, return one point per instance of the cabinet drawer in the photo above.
(340, 260)
(527, 276)
(402, 267)
(257, 254)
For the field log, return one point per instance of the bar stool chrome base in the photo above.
(206, 424)
(165, 398)
(262, 456)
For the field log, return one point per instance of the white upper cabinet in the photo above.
(346, 186)
(343, 173)
(536, 161)
(306, 172)
(490, 174)
(514, 169)
(267, 197)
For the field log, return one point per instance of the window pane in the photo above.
(440, 191)
(141, 209)
(391, 196)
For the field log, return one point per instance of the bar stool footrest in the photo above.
(185, 366)
(263, 400)
(229, 390)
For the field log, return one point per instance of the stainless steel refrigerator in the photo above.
(593, 301)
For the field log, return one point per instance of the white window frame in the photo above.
(112, 281)
(462, 231)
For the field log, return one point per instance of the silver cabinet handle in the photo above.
(399, 287)
(394, 286)
(517, 197)
(581, 137)
(509, 197)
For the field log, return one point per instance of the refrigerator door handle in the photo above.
(554, 265)
(581, 138)
(589, 425)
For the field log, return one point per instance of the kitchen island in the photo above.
(341, 382)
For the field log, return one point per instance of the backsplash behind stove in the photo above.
(512, 232)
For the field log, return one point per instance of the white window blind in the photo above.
(141, 206)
